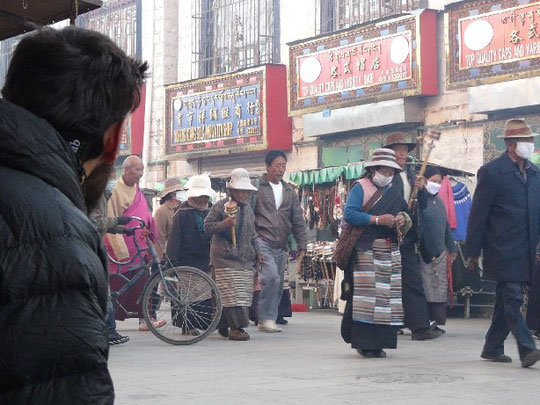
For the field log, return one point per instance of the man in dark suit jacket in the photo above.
(414, 300)
(504, 222)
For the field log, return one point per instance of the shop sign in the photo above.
(489, 42)
(219, 114)
(364, 64)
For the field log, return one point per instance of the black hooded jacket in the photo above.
(53, 282)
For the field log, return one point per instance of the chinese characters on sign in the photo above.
(489, 41)
(216, 115)
(363, 64)
(502, 36)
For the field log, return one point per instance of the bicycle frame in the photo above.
(153, 266)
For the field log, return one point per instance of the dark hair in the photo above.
(166, 198)
(432, 171)
(78, 80)
(273, 155)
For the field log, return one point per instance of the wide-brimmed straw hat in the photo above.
(399, 138)
(200, 185)
(171, 186)
(383, 157)
(517, 128)
(240, 180)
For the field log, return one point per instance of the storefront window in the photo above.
(233, 34)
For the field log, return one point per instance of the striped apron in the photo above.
(377, 285)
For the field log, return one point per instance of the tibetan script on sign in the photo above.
(392, 58)
(490, 41)
(216, 115)
(497, 37)
(363, 64)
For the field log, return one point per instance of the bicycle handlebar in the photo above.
(141, 222)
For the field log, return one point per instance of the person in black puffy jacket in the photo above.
(66, 98)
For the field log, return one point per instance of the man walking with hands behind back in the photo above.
(277, 214)
(504, 224)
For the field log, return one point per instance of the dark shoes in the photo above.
(118, 339)
(224, 332)
(497, 358)
(281, 321)
(530, 359)
(370, 354)
(239, 335)
(427, 334)
(436, 328)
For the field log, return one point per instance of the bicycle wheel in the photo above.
(186, 301)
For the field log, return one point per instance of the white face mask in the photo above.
(525, 150)
(380, 180)
(432, 187)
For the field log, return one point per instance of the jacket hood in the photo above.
(31, 145)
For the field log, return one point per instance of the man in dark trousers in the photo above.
(533, 308)
(414, 300)
(66, 99)
(504, 224)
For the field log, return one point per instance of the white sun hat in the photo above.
(200, 185)
(240, 180)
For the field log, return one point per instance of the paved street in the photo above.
(309, 363)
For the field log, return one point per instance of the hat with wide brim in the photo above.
(200, 185)
(240, 180)
(399, 138)
(517, 128)
(171, 186)
(383, 157)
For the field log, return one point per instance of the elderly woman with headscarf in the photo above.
(189, 245)
(436, 240)
(233, 253)
(374, 305)
(164, 216)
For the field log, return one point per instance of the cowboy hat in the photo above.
(200, 185)
(171, 186)
(517, 128)
(240, 180)
(399, 138)
(383, 157)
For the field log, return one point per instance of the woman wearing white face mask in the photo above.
(377, 209)
(436, 239)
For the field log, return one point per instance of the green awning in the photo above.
(326, 175)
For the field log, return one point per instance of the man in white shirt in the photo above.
(277, 214)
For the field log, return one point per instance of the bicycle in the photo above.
(186, 298)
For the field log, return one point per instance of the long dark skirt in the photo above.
(234, 318)
(368, 336)
(198, 317)
(437, 312)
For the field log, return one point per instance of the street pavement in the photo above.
(308, 363)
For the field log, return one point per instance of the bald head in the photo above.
(133, 170)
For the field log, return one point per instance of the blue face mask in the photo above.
(110, 186)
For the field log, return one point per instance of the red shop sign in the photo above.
(364, 64)
(387, 59)
(502, 36)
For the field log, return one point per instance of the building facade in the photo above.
(197, 39)
(357, 70)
